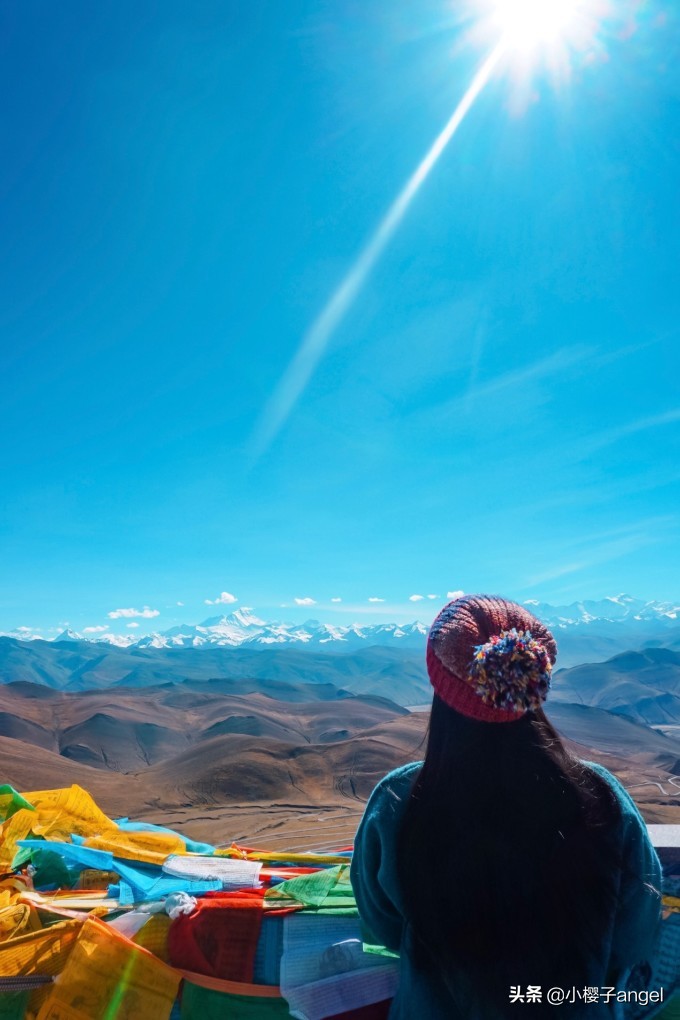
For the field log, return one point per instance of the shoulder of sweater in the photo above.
(626, 802)
(392, 788)
(400, 777)
(602, 771)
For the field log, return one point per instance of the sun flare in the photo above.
(528, 23)
(540, 36)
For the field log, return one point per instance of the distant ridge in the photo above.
(248, 755)
(397, 673)
(618, 622)
(642, 684)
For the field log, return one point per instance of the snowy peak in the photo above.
(244, 618)
(612, 609)
(119, 640)
(68, 635)
(621, 600)
(244, 629)
(628, 617)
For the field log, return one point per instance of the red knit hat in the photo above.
(490, 659)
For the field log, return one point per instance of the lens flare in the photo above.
(315, 341)
(551, 35)
(530, 23)
(518, 36)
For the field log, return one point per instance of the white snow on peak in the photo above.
(119, 640)
(244, 628)
(157, 641)
(246, 618)
(68, 635)
(23, 634)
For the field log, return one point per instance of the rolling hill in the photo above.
(229, 759)
(83, 665)
(644, 685)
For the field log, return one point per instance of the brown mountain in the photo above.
(263, 762)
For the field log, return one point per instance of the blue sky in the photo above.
(184, 187)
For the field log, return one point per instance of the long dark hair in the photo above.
(506, 859)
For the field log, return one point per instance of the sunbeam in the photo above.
(315, 341)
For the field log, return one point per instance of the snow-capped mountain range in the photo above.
(613, 609)
(244, 628)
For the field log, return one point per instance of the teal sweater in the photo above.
(379, 899)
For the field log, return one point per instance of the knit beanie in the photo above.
(490, 659)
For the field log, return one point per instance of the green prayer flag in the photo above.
(206, 1004)
(11, 802)
(13, 1005)
(328, 888)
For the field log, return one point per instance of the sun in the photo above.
(538, 37)
(525, 24)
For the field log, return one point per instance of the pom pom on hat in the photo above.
(490, 659)
(512, 670)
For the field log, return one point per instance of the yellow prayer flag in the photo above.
(12, 889)
(71, 809)
(278, 857)
(18, 826)
(39, 952)
(107, 975)
(18, 919)
(672, 903)
(148, 847)
(90, 878)
(154, 936)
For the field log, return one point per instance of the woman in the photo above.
(503, 866)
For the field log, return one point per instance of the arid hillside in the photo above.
(289, 764)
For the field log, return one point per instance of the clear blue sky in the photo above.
(185, 185)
